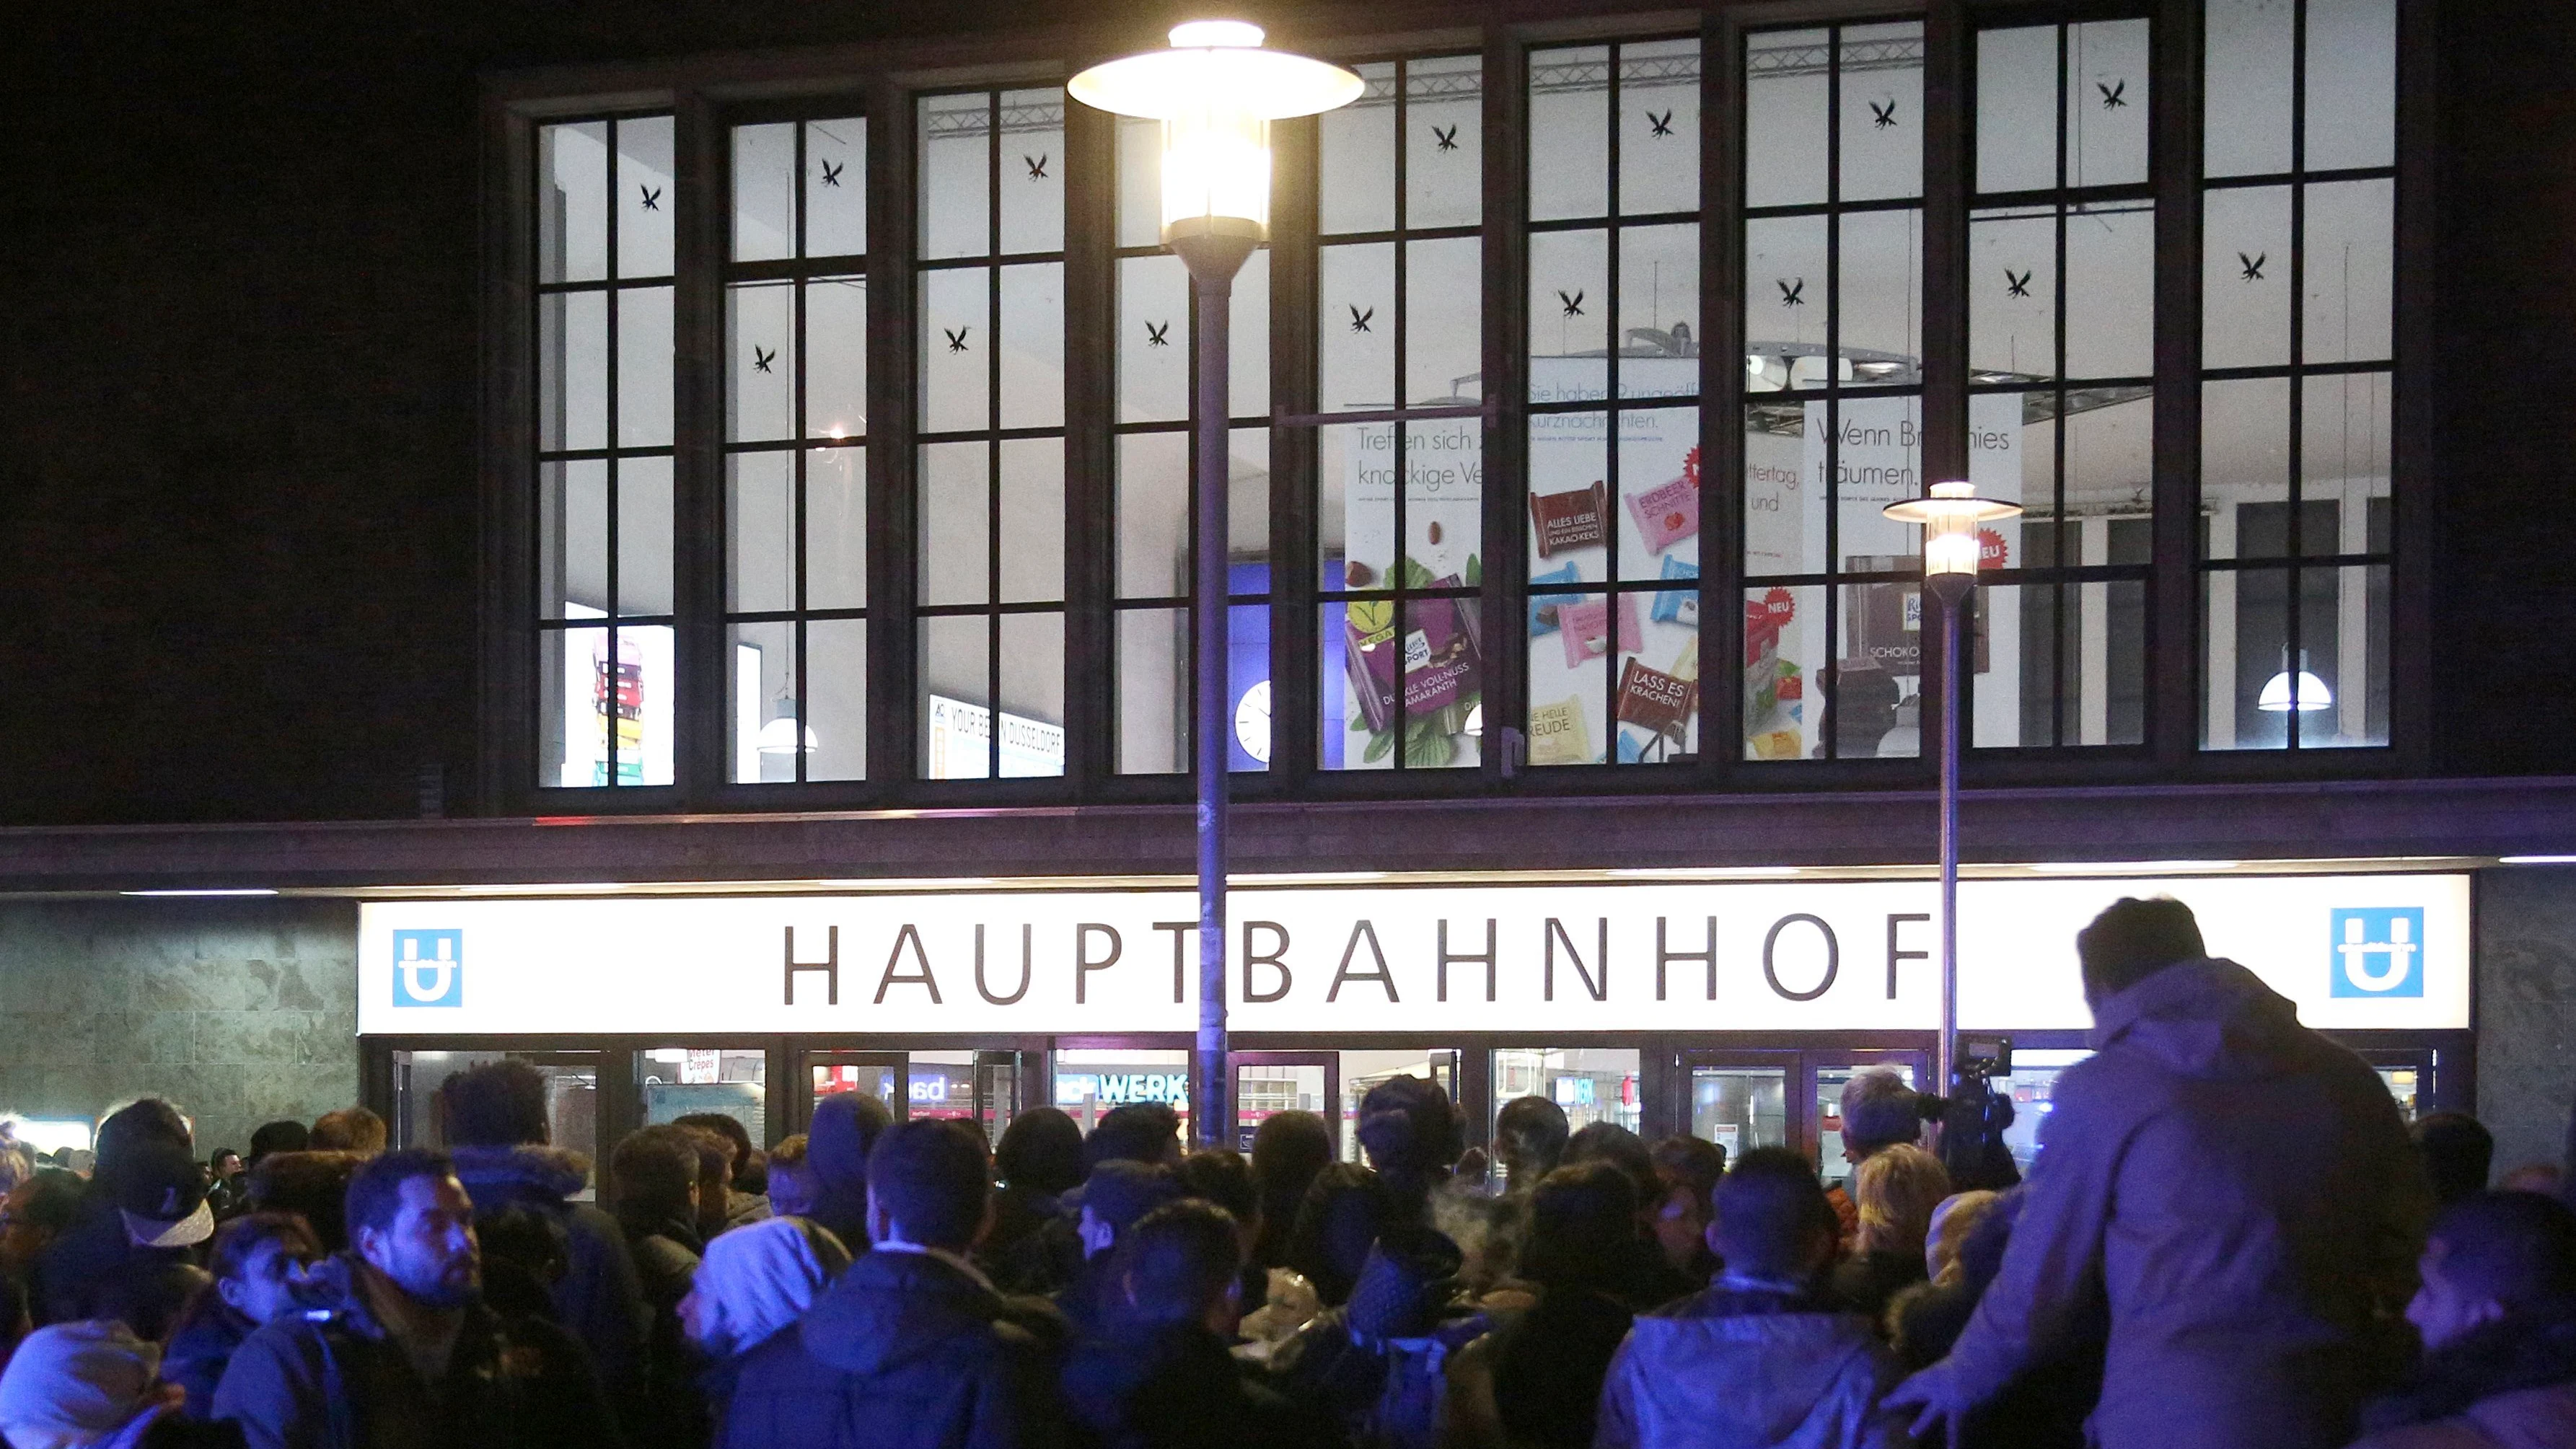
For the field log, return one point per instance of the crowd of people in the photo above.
(2230, 1237)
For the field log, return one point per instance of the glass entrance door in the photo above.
(572, 1095)
(1743, 1098)
(1269, 1083)
(983, 1087)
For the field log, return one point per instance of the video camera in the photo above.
(1974, 1115)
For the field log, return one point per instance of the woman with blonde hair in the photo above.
(1895, 1191)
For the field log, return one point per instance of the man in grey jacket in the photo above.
(2239, 1189)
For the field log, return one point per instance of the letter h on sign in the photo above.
(830, 966)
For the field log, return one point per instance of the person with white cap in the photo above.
(84, 1385)
(755, 1282)
(133, 1258)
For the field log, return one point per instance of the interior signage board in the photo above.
(2355, 952)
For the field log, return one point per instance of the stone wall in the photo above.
(2526, 1009)
(239, 1011)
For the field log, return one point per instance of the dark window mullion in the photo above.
(1611, 419)
(2292, 637)
(1831, 672)
(1400, 394)
(611, 437)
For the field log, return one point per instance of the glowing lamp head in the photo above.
(2294, 689)
(1216, 91)
(1951, 514)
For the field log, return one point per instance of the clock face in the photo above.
(1252, 721)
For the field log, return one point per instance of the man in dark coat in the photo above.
(495, 1119)
(2238, 1188)
(398, 1350)
(2498, 1315)
(912, 1348)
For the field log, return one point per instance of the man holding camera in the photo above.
(2239, 1189)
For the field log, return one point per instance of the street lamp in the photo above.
(1951, 515)
(1216, 91)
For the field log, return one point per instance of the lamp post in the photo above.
(1216, 91)
(1950, 514)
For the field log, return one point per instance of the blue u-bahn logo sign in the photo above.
(429, 968)
(2378, 951)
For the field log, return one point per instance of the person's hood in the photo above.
(895, 1308)
(531, 1174)
(2210, 1020)
(1748, 1379)
(1405, 1283)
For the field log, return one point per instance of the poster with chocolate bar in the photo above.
(1654, 701)
(1570, 520)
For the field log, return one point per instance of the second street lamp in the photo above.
(1952, 516)
(1216, 91)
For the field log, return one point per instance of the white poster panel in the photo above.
(2355, 952)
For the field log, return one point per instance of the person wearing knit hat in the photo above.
(89, 1384)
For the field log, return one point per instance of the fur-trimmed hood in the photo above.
(536, 1175)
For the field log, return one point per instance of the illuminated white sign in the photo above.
(961, 739)
(1733, 956)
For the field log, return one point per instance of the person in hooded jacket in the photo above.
(2241, 1191)
(1159, 1375)
(1764, 1358)
(1038, 1161)
(912, 1348)
(2497, 1311)
(838, 1142)
(753, 1284)
(495, 1125)
(257, 1261)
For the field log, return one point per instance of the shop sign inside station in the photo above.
(2355, 952)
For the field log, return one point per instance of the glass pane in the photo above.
(572, 371)
(644, 367)
(2111, 290)
(573, 551)
(572, 202)
(1592, 1084)
(644, 536)
(2245, 277)
(1032, 342)
(1786, 79)
(1032, 167)
(1569, 675)
(836, 528)
(1877, 685)
(2017, 108)
(2061, 663)
(2343, 455)
(2109, 462)
(1569, 128)
(2347, 272)
(2352, 83)
(1032, 725)
(1876, 458)
(572, 1099)
(1444, 142)
(836, 187)
(1787, 303)
(2244, 457)
(1357, 318)
(1882, 120)
(2012, 295)
(1032, 520)
(1153, 339)
(836, 358)
(1443, 684)
(1091, 1080)
(869, 1079)
(1248, 507)
(940, 1085)
(956, 161)
(1355, 491)
(1740, 1108)
(1140, 171)
(760, 501)
(1444, 300)
(1357, 160)
(1659, 311)
(1153, 682)
(1153, 515)
(956, 338)
(956, 677)
(626, 706)
(1881, 294)
(1658, 128)
(764, 192)
(1569, 314)
(1657, 705)
(2108, 66)
(760, 355)
(1264, 1091)
(836, 705)
(1784, 648)
(1784, 492)
(1248, 335)
(956, 523)
(1658, 522)
(686, 1081)
(2353, 630)
(763, 724)
(2031, 1085)
(645, 197)
(1830, 1082)
(2245, 97)
(1357, 698)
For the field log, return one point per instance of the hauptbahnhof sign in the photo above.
(2356, 952)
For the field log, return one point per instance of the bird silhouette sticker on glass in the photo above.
(1360, 319)
(1037, 165)
(1573, 304)
(761, 357)
(1155, 334)
(1659, 125)
(2112, 93)
(1883, 117)
(652, 197)
(957, 337)
(2016, 285)
(832, 172)
(1791, 295)
(1446, 136)
(2253, 265)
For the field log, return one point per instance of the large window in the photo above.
(604, 601)
(990, 498)
(2297, 274)
(796, 429)
(1400, 489)
(1614, 363)
(1833, 372)
(2061, 402)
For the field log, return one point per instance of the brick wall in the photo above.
(239, 1011)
